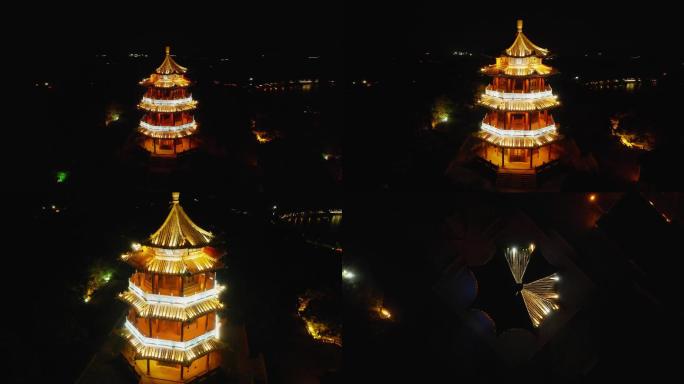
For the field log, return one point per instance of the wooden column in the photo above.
(182, 285)
(181, 371)
(150, 324)
(502, 156)
(182, 328)
(531, 154)
(148, 366)
(208, 354)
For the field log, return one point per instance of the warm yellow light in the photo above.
(592, 197)
(262, 137)
(540, 298)
(136, 246)
(385, 314)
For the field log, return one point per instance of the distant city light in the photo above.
(136, 246)
(592, 197)
(384, 313)
(348, 275)
(262, 137)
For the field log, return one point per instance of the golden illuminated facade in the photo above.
(168, 126)
(518, 133)
(172, 326)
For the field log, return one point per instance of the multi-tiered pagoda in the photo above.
(519, 136)
(173, 325)
(168, 126)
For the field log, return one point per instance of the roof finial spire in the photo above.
(168, 49)
(175, 196)
(520, 24)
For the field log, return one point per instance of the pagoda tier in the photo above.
(518, 133)
(173, 325)
(168, 124)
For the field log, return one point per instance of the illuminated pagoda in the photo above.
(172, 326)
(168, 125)
(518, 134)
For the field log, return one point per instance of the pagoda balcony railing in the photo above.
(518, 133)
(168, 128)
(183, 345)
(519, 95)
(167, 103)
(180, 300)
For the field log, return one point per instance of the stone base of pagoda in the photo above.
(153, 371)
(517, 168)
(168, 147)
(517, 160)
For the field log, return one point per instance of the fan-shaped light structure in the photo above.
(540, 296)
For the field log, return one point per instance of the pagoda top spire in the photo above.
(169, 65)
(523, 47)
(178, 231)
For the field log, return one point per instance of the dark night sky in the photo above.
(569, 28)
(223, 29)
(338, 29)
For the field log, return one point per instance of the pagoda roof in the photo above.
(172, 355)
(170, 311)
(518, 142)
(168, 75)
(169, 65)
(523, 47)
(178, 230)
(513, 105)
(173, 261)
(167, 132)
